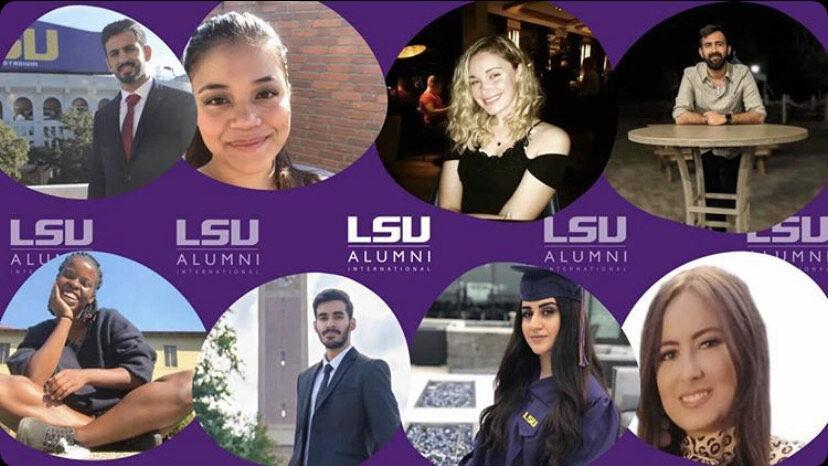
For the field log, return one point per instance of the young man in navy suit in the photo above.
(142, 132)
(346, 410)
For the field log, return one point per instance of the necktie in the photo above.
(324, 386)
(126, 129)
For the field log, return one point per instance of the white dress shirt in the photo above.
(142, 91)
(317, 387)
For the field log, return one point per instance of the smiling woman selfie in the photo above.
(238, 68)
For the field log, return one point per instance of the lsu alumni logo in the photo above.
(588, 243)
(32, 244)
(217, 246)
(800, 240)
(389, 243)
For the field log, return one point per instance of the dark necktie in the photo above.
(324, 386)
(126, 129)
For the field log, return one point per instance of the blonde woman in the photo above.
(505, 163)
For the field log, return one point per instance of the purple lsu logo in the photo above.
(52, 232)
(587, 229)
(794, 229)
(390, 229)
(218, 232)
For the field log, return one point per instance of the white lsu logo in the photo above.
(793, 230)
(52, 232)
(389, 229)
(218, 232)
(587, 229)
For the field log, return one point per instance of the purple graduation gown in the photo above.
(524, 445)
(112, 341)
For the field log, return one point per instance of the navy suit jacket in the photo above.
(164, 132)
(357, 413)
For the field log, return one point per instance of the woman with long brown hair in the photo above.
(705, 383)
(550, 404)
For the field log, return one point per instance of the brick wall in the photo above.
(339, 99)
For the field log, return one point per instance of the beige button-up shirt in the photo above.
(739, 94)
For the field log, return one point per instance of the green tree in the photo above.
(13, 151)
(43, 156)
(72, 161)
(211, 391)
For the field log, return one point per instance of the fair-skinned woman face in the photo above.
(243, 101)
(696, 377)
(493, 81)
(540, 324)
(74, 288)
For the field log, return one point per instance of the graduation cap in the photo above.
(537, 284)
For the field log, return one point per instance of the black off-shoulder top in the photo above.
(489, 182)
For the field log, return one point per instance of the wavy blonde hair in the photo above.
(468, 123)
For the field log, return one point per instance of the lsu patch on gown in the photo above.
(112, 341)
(524, 444)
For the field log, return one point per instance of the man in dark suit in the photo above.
(142, 132)
(345, 410)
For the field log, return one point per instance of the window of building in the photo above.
(51, 109)
(23, 109)
(80, 105)
(170, 356)
(4, 352)
(1, 110)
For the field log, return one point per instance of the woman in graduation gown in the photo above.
(551, 407)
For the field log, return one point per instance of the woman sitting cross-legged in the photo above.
(84, 377)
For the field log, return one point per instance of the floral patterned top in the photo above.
(719, 449)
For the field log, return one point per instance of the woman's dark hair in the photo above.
(230, 28)
(561, 428)
(88, 312)
(747, 344)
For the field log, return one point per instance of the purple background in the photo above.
(304, 230)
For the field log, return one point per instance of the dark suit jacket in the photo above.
(164, 132)
(357, 414)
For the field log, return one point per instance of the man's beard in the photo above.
(715, 66)
(337, 343)
(137, 72)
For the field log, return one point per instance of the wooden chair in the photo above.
(666, 159)
(761, 154)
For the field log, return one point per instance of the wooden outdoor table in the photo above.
(699, 138)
